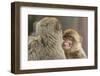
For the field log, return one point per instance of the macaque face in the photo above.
(67, 43)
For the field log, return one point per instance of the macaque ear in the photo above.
(34, 25)
(58, 26)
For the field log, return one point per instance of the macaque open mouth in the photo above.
(67, 44)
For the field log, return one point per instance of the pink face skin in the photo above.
(67, 43)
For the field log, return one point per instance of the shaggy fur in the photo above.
(76, 51)
(47, 42)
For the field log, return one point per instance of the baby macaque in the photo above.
(72, 44)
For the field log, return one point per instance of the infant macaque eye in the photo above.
(64, 38)
(68, 38)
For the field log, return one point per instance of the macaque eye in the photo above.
(64, 38)
(68, 38)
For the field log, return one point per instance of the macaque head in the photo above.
(49, 29)
(71, 39)
(48, 25)
(67, 44)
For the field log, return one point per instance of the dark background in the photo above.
(80, 24)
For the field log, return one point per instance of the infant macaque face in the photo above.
(67, 43)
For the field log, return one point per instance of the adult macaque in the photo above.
(72, 44)
(47, 42)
